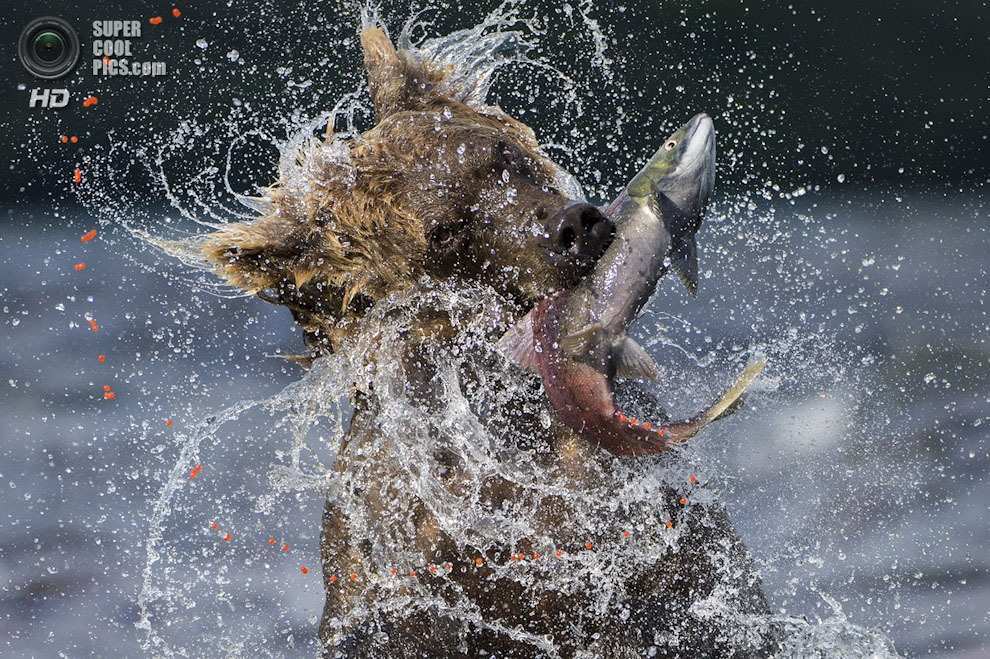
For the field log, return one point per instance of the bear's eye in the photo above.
(670, 145)
(524, 169)
(508, 157)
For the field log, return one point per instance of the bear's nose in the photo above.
(582, 230)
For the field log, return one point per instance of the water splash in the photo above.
(447, 477)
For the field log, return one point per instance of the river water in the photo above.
(856, 475)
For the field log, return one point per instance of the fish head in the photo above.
(678, 183)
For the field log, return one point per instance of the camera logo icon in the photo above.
(48, 47)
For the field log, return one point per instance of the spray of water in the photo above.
(442, 456)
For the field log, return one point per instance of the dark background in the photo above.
(897, 91)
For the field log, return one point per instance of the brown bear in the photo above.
(465, 520)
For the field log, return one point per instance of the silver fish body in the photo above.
(577, 340)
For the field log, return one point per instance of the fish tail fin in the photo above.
(635, 437)
(735, 392)
(681, 431)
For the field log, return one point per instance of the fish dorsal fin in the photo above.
(632, 361)
(517, 344)
(579, 343)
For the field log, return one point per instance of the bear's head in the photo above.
(439, 188)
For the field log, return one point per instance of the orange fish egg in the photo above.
(588, 545)
(155, 20)
(88, 236)
(79, 267)
(63, 138)
(169, 423)
(354, 576)
(77, 176)
(90, 101)
(683, 501)
(271, 541)
(304, 569)
(176, 12)
(109, 395)
(74, 139)
(626, 534)
(101, 359)
(559, 553)
(93, 325)
(333, 578)
(228, 537)
(214, 525)
(479, 562)
(195, 471)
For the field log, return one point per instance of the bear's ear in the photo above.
(386, 74)
(257, 255)
(397, 80)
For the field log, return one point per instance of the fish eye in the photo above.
(670, 145)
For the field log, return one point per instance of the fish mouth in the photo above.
(700, 139)
(691, 183)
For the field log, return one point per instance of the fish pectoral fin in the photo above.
(684, 261)
(517, 344)
(578, 343)
(634, 362)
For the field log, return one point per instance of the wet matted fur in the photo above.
(422, 194)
